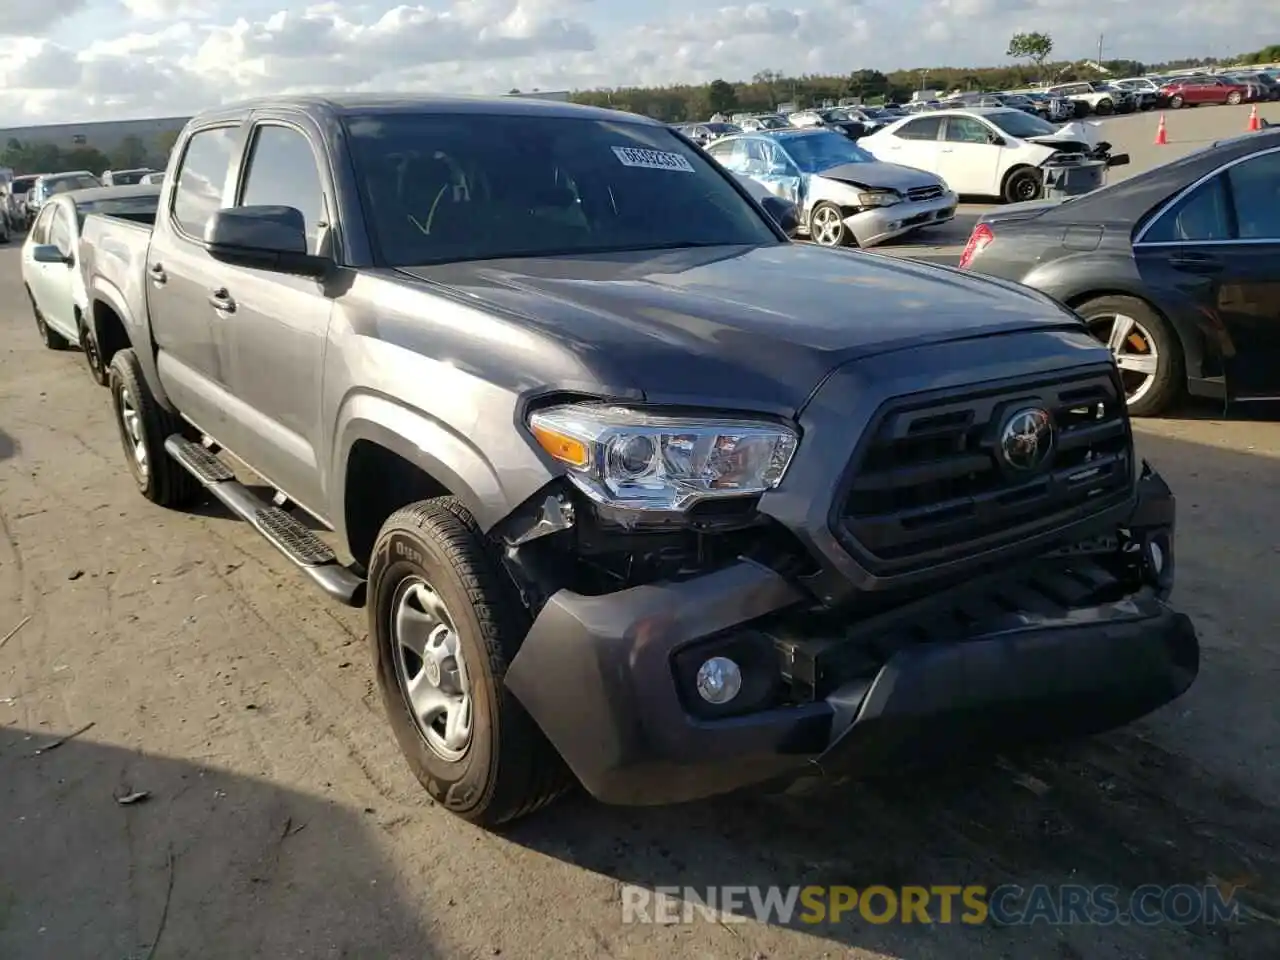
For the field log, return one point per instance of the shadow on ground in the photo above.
(212, 865)
(9, 447)
(1183, 798)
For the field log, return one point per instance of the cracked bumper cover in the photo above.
(597, 675)
(884, 223)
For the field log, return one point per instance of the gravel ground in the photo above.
(195, 665)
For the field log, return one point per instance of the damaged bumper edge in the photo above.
(607, 680)
(877, 225)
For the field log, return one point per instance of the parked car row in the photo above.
(853, 122)
(623, 509)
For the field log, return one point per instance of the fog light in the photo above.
(719, 680)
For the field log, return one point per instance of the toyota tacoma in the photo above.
(637, 491)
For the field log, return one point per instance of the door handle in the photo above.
(158, 276)
(221, 301)
(1196, 263)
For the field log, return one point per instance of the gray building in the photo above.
(105, 136)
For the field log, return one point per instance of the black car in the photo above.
(1176, 269)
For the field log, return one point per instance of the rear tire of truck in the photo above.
(144, 426)
(444, 623)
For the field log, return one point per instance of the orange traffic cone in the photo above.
(1162, 138)
(1254, 122)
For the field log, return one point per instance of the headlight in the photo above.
(645, 461)
(878, 198)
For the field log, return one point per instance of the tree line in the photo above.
(34, 156)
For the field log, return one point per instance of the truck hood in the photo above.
(753, 327)
(891, 176)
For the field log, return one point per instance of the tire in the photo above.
(1234, 98)
(1176, 102)
(833, 232)
(1104, 108)
(92, 355)
(160, 478)
(50, 337)
(1169, 381)
(1023, 184)
(506, 769)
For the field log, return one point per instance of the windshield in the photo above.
(1019, 124)
(821, 151)
(723, 129)
(834, 115)
(129, 208)
(21, 185)
(64, 184)
(127, 178)
(772, 123)
(449, 187)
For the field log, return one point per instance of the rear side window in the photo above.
(926, 128)
(60, 229)
(40, 229)
(201, 178)
(1201, 215)
(1255, 190)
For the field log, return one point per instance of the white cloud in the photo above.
(69, 60)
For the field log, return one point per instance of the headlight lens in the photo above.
(646, 461)
(879, 198)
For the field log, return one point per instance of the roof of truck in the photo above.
(367, 103)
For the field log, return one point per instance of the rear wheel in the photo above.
(92, 355)
(1234, 97)
(1145, 348)
(444, 623)
(826, 226)
(144, 426)
(1104, 108)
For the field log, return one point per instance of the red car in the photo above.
(1197, 90)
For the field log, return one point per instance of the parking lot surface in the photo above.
(194, 665)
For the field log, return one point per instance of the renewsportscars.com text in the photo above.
(1007, 905)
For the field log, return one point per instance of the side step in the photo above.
(311, 554)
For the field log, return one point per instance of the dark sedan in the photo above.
(1176, 269)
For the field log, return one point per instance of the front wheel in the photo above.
(144, 426)
(1023, 185)
(1176, 102)
(827, 227)
(1145, 348)
(444, 623)
(1104, 108)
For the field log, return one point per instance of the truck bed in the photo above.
(113, 259)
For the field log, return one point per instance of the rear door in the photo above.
(277, 326)
(914, 144)
(192, 357)
(967, 159)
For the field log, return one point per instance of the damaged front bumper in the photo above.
(610, 679)
(879, 224)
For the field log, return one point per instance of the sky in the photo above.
(80, 60)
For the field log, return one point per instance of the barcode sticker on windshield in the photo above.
(652, 159)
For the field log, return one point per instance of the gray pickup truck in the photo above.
(638, 492)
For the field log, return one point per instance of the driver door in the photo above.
(781, 177)
(967, 159)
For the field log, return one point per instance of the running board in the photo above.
(282, 530)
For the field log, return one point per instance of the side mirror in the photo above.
(783, 213)
(265, 237)
(48, 253)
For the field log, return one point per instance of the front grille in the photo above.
(929, 482)
(924, 193)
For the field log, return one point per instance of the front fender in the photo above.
(448, 457)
